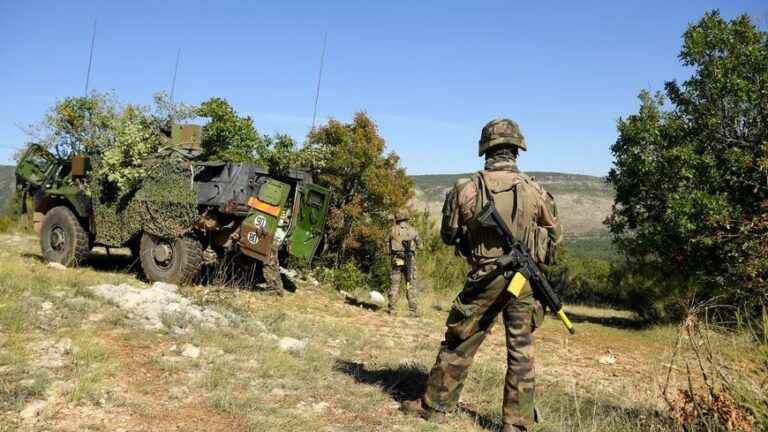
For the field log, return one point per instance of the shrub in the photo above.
(367, 184)
(347, 277)
(691, 208)
(438, 266)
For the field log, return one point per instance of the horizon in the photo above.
(564, 73)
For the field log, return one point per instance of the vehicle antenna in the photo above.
(90, 58)
(319, 79)
(175, 69)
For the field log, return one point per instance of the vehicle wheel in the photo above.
(176, 261)
(62, 238)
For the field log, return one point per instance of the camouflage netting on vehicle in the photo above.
(164, 205)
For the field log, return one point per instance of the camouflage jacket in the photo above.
(400, 232)
(525, 206)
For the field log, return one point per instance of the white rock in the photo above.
(57, 266)
(165, 286)
(46, 306)
(190, 351)
(287, 344)
(152, 304)
(33, 409)
(64, 345)
(607, 359)
(377, 298)
(320, 407)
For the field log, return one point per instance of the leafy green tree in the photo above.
(137, 135)
(367, 184)
(78, 125)
(691, 172)
(229, 136)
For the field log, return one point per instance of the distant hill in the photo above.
(7, 183)
(583, 201)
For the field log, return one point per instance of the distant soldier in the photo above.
(531, 216)
(403, 242)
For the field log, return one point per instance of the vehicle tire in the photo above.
(176, 261)
(62, 238)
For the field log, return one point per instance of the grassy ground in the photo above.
(90, 366)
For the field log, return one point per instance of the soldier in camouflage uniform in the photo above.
(400, 233)
(271, 271)
(530, 213)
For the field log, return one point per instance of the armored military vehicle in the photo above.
(184, 214)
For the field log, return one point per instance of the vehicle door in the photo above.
(307, 232)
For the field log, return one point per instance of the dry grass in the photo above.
(358, 363)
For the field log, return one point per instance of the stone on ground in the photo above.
(191, 351)
(607, 359)
(158, 302)
(57, 266)
(288, 344)
(33, 409)
(377, 298)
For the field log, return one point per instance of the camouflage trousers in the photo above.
(271, 272)
(469, 321)
(396, 274)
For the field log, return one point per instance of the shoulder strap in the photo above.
(483, 187)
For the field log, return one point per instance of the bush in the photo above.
(729, 394)
(438, 266)
(347, 277)
(691, 207)
(626, 284)
(368, 185)
(11, 219)
(589, 282)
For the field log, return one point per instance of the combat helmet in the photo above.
(501, 131)
(401, 215)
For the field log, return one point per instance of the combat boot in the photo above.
(416, 407)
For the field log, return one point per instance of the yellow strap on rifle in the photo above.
(517, 284)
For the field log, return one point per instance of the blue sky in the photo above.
(431, 74)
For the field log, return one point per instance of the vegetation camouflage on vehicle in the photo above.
(164, 205)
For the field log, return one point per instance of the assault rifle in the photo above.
(518, 266)
(408, 253)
